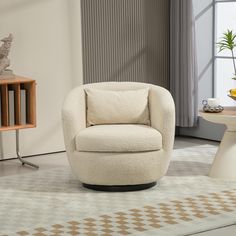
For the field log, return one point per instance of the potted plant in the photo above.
(228, 42)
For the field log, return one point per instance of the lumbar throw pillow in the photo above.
(117, 107)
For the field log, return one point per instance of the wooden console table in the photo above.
(18, 107)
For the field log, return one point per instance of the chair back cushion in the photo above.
(117, 107)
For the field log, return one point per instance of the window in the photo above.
(225, 18)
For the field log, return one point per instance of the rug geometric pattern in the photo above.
(147, 217)
(53, 202)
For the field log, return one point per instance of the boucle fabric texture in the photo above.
(118, 138)
(117, 107)
(119, 168)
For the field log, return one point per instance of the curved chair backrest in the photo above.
(162, 116)
(161, 107)
(117, 85)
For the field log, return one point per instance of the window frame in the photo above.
(215, 40)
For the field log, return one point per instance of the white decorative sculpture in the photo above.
(4, 51)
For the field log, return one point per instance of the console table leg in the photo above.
(23, 162)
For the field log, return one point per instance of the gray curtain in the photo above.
(183, 67)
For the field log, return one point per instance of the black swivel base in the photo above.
(119, 188)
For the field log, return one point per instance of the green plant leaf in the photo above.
(228, 41)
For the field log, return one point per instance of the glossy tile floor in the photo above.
(13, 167)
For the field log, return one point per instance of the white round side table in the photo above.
(224, 165)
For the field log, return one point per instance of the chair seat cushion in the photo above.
(118, 138)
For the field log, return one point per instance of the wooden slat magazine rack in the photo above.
(18, 107)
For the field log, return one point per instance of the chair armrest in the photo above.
(73, 116)
(162, 115)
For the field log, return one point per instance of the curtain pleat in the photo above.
(183, 63)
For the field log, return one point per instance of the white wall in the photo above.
(47, 48)
(203, 10)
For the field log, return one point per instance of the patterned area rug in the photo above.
(186, 201)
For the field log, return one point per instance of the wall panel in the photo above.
(125, 40)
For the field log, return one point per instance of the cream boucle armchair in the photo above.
(103, 165)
